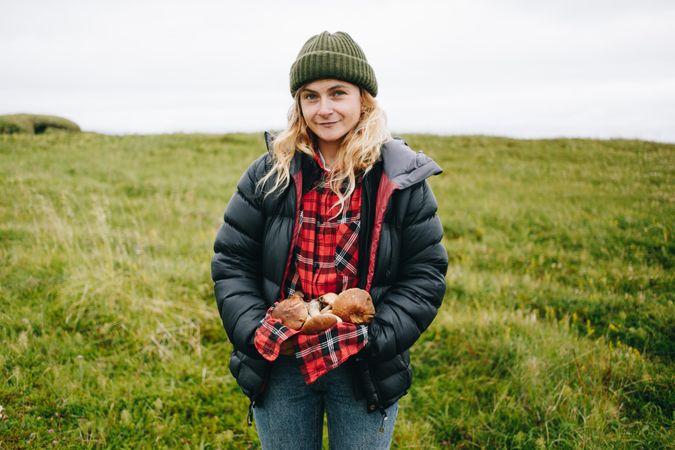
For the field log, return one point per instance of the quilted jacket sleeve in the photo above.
(236, 264)
(411, 304)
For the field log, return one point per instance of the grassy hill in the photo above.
(557, 329)
(35, 124)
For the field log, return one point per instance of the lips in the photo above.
(328, 123)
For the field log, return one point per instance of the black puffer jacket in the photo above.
(402, 265)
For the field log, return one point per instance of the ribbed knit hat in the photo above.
(336, 56)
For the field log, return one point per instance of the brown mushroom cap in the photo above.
(292, 312)
(354, 305)
(320, 323)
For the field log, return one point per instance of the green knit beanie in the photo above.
(336, 56)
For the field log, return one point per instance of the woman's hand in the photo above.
(287, 348)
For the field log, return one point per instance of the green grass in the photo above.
(557, 329)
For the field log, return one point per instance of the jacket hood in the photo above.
(405, 167)
(402, 165)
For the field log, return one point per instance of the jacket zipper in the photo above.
(384, 417)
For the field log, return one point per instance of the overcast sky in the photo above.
(524, 68)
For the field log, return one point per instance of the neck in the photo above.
(329, 153)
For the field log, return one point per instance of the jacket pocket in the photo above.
(251, 374)
(392, 378)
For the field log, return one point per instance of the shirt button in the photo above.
(316, 264)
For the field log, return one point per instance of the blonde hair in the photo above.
(358, 151)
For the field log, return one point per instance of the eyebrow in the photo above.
(330, 88)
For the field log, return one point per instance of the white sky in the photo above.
(525, 68)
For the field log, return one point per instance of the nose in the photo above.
(325, 107)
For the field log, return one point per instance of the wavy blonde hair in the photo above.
(358, 151)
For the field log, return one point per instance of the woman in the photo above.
(335, 203)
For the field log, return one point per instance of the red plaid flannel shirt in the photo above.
(325, 259)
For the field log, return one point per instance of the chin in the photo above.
(333, 137)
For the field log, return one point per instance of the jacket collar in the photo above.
(403, 166)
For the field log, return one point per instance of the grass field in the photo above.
(557, 329)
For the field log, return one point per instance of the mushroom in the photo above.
(319, 319)
(354, 305)
(328, 298)
(320, 322)
(292, 311)
(314, 307)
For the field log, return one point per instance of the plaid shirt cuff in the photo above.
(322, 352)
(270, 335)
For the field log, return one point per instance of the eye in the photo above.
(340, 93)
(309, 96)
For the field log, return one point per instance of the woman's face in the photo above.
(331, 108)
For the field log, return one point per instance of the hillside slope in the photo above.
(556, 330)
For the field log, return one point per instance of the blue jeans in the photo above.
(291, 414)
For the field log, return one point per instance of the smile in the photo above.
(328, 124)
